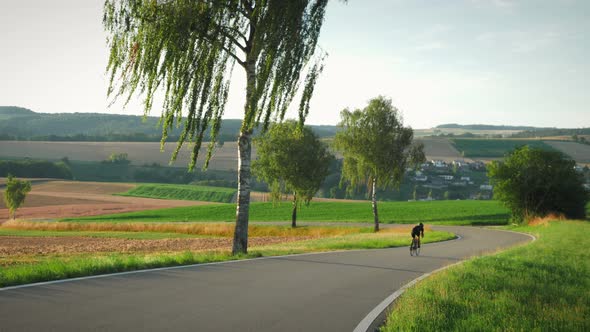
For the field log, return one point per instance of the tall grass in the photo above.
(444, 212)
(55, 268)
(203, 229)
(182, 192)
(541, 286)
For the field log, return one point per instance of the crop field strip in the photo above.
(444, 212)
(58, 199)
(494, 148)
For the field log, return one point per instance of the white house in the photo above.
(486, 187)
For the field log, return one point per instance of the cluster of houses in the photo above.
(439, 174)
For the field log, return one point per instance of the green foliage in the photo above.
(189, 48)
(434, 212)
(533, 183)
(118, 159)
(543, 286)
(494, 148)
(15, 193)
(292, 160)
(35, 169)
(182, 192)
(376, 145)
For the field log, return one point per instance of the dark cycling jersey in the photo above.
(417, 230)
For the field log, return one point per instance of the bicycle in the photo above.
(415, 247)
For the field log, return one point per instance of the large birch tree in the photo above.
(377, 148)
(187, 49)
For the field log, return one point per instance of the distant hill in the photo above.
(7, 112)
(552, 132)
(485, 127)
(24, 124)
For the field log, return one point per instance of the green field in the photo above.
(434, 212)
(544, 286)
(182, 192)
(494, 148)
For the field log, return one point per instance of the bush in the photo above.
(534, 183)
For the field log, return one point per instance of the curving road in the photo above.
(316, 292)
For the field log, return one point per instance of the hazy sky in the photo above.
(441, 61)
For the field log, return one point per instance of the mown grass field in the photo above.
(28, 269)
(544, 286)
(494, 148)
(182, 192)
(434, 212)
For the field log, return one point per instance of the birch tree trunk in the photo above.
(294, 213)
(240, 244)
(374, 202)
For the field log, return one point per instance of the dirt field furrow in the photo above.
(61, 199)
(22, 246)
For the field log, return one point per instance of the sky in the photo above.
(498, 62)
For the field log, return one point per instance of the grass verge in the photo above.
(541, 286)
(434, 212)
(182, 192)
(23, 270)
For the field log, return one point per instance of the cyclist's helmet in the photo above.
(421, 224)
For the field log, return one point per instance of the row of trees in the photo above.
(377, 149)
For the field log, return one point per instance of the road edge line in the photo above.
(370, 318)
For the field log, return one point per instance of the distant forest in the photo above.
(525, 131)
(17, 123)
(485, 127)
(551, 132)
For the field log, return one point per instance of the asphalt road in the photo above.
(318, 292)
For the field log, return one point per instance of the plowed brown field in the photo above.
(26, 246)
(59, 199)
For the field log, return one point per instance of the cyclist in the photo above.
(417, 231)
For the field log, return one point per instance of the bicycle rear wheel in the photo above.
(413, 248)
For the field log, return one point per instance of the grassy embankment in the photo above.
(541, 286)
(182, 192)
(434, 212)
(27, 269)
(494, 148)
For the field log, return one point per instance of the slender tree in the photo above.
(293, 161)
(377, 148)
(15, 193)
(187, 49)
